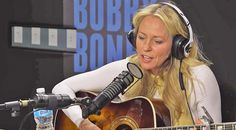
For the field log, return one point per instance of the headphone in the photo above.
(181, 46)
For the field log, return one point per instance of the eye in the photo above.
(158, 41)
(141, 37)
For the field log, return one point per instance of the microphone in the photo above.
(52, 101)
(117, 86)
(49, 101)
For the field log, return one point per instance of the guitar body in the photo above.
(138, 112)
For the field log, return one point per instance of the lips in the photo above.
(146, 58)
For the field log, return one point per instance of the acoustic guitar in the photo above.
(138, 112)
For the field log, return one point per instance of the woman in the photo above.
(156, 28)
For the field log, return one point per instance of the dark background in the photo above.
(24, 70)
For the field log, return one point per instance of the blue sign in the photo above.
(102, 26)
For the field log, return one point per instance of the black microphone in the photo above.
(51, 101)
(48, 101)
(117, 86)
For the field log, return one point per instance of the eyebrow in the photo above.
(155, 36)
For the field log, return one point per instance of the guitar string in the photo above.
(227, 126)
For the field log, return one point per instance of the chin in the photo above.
(147, 66)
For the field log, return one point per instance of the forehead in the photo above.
(152, 24)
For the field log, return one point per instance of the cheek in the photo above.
(167, 53)
(164, 53)
(138, 47)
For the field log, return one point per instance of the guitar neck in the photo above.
(218, 126)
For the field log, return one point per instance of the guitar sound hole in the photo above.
(123, 127)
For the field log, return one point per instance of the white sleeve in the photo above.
(95, 80)
(206, 94)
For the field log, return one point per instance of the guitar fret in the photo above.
(219, 127)
(206, 127)
(192, 128)
(213, 127)
(185, 128)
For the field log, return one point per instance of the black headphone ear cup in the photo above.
(131, 38)
(178, 47)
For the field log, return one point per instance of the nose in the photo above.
(147, 45)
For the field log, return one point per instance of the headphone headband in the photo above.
(185, 20)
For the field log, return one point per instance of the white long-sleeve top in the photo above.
(98, 79)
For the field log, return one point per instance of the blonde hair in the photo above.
(168, 78)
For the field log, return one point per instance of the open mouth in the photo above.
(146, 58)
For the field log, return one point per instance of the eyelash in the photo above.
(157, 41)
(140, 37)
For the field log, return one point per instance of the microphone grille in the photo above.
(119, 84)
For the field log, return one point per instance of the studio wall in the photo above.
(23, 70)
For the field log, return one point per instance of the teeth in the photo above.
(146, 57)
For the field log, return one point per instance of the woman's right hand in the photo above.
(88, 125)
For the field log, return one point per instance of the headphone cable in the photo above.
(181, 82)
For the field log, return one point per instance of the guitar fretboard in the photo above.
(218, 126)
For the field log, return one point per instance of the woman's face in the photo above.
(153, 44)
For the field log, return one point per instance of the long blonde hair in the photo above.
(171, 94)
